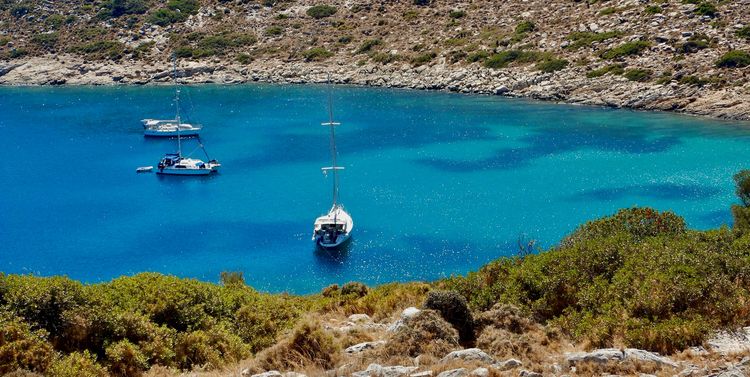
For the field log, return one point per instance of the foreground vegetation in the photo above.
(639, 278)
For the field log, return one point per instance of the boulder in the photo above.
(598, 356)
(646, 356)
(528, 373)
(406, 314)
(460, 372)
(377, 370)
(507, 364)
(480, 372)
(270, 373)
(471, 354)
(359, 318)
(361, 347)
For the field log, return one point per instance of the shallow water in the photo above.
(437, 183)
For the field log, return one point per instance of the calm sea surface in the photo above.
(437, 183)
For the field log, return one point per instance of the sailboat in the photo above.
(334, 228)
(176, 163)
(169, 127)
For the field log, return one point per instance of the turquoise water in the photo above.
(437, 183)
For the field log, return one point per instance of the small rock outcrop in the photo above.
(361, 347)
(470, 354)
(460, 372)
(377, 370)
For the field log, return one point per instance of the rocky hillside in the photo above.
(681, 55)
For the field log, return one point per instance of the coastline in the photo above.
(566, 86)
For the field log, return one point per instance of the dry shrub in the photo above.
(307, 346)
(355, 336)
(426, 333)
(382, 301)
(506, 317)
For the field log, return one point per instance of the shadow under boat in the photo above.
(336, 256)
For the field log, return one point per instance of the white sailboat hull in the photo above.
(333, 229)
(171, 133)
(340, 240)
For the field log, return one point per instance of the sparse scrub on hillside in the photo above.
(368, 45)
(316, 54)
(744, 32)
(706, 9)
(734, 59)
(321, 11)
(552, 65)
(175, 11)
(505, 58)
(103, 49)
(694, 44)
(637, 74)
(580, 39)
(625, 49)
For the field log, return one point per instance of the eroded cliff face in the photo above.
(664, 55)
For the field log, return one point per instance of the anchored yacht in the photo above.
(335, 227)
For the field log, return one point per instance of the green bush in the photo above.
(742, 186)
(117, 8)
(638, 74)
(625, 49)
(125, 359)
(653, 9)
(76, 364)
(4, 41)
(454, 309)
(317, 54)
(695, 43)
(692, 80)
(741, 217)
(176, 11)
(368, 45)
(734, 59)
(582, 39)
(17, 53)
(273, 31)
(615, 69)
(423, 58)
(744, 32)
(112, 50)
(384, 57)
(525, 27)
(20, 10)
(46, 40)
(455, 14)
(479, 56)
(552, 65)
(504, 58)
(21, 347)
(55, 21)
(321, 11)
(210, 349)
(354, 288)
(706, 9)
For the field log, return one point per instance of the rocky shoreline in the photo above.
(569, 85)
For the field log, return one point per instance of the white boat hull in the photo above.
(183, 133)
(185, 171)
(340, 240)
(333, 229)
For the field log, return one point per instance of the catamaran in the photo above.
(176, 163)
(170, 127)
(334, 228)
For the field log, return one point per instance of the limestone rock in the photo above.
(470, 354)
(460, 372)
(361, 347)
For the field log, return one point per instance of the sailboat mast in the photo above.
(177, 104)
(333, 147)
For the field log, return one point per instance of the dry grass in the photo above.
(308, 345)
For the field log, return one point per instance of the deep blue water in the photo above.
(437, 183)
